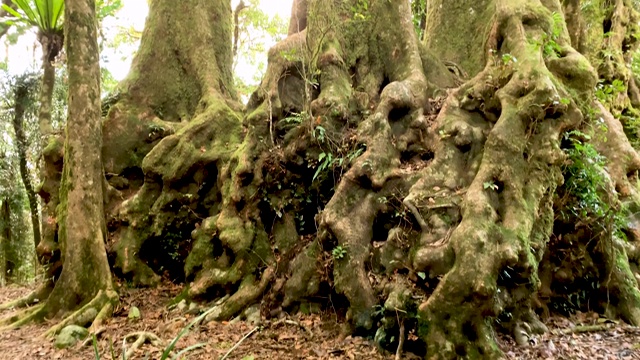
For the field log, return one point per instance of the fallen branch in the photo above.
(295, 323)
(582, 329)
(240, 342)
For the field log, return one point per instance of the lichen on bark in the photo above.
(429, 179)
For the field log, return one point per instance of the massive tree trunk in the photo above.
(436, 183)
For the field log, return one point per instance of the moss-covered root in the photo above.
(36, 296)
(622, 297)
(95, 312)
(22, 317)
(506, 216)
(249, 292)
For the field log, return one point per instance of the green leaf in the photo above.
(95, 346)
(134, 313)
(422, 275)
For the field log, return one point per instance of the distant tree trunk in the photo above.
(21, 97)
(5, 238)
(51, 43)
(298, 21)
(46, 98)
(236, 26)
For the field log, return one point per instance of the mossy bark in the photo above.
(394, 175)
(85, 280)
(21, 98)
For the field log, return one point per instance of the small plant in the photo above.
(508, 58)
(550, 47)
(339, 252)
(319, 133)
(490, 185)
(586, 180)
(606, 93)
(295, 118)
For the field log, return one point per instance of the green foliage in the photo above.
(360, 10)
(46, 15)
(336, 155)
(508, 58)
(490, 185)
(419, 15)
(256, 31)
(339, 252)
(107, 8)
(587, 182)
(550, 47)
(606, 93)
(20, 251)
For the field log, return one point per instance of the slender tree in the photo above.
(85, 278)
(23, 88)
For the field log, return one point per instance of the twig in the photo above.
(240, 342)
(400, 341)
(295, 323)
(583, 329)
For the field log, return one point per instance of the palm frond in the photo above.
(46, 15)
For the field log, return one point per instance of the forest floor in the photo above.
(296, 337)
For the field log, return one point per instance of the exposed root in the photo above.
(141, 338)
(250, 290)
(95, 312)
(32, 298)
(22, 317)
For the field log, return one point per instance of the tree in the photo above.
(447, 187)
(46, 17)
(253, 30)
(23, 99)
(85, 278)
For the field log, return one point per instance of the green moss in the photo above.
(448, 20)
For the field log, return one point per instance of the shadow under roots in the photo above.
(166, 255)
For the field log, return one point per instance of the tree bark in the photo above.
(21, 97)
(431, 178)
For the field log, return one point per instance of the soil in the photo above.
(319, 336)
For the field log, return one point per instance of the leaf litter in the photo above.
(313, 337)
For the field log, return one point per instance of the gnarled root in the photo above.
(95, 312)
(141, 337)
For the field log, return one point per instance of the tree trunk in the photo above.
(440, 180)
(85, 278)
(46, 98)
(21, 97)
(85, 273)
(5, 238)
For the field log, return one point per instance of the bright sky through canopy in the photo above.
(25, 55)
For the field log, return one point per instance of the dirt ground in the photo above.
(295, 337)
